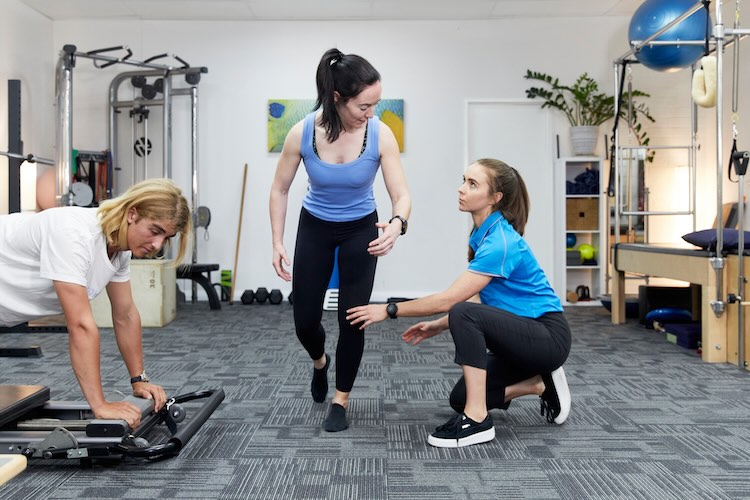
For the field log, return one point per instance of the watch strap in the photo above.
(140, 378)
(404, 223)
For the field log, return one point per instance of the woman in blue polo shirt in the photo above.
(515, 341)
(342, 146)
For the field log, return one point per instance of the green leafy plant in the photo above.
(584, 104)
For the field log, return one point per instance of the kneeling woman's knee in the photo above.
(459, 314)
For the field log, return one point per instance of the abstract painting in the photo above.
(284, 113)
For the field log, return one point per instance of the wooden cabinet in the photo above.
(580, 236)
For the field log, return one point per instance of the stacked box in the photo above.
(582, 214)
(573, 258)
(154, 287)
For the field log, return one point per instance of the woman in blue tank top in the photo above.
(342, 146)
(515, 341)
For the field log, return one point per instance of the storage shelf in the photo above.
(587, 214)
(582, 303)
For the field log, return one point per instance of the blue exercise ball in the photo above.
(570, 240)
(652, 16)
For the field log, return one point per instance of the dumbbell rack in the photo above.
(261, 295)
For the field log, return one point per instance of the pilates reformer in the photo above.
(34, 426)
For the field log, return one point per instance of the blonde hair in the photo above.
(156, 199)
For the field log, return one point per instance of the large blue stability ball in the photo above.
(652, 16)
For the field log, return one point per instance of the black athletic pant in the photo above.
(313, 264)
(519, 347)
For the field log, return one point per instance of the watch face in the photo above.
(392, 310)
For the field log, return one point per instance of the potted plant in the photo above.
(586, 107)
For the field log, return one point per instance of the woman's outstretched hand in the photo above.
(279, 260)
(367, 315)
(384, 243)
(422, 330)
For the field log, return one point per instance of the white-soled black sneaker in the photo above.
(462, 431)
(555, 401)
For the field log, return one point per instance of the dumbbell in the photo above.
(247, 297)
(261, 295)
(275, 296)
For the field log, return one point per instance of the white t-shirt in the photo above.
(62, 244)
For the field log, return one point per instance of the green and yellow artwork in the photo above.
(284, 113)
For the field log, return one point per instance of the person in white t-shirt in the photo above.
(57, 260)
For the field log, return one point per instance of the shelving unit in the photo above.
(583, 214)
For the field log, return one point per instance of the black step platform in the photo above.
(195, 272)
(31, 351)
(34, 328)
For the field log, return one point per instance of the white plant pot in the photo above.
(584, 139)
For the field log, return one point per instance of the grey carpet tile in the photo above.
(310, 479)
(649, 419)
(468, 478)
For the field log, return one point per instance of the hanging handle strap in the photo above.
(612, 148)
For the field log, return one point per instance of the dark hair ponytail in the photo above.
(514, 205)
(347, 74)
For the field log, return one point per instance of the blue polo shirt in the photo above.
(518, 284)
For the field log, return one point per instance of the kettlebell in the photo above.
(583, 292)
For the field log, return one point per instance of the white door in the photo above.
(518, 133)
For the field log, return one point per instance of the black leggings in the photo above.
(519, 348)
(313, 264)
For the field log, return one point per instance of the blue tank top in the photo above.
(340, 192)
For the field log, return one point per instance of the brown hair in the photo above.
(514, 204)
(347, 74)
(157, 199)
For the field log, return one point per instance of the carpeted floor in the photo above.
(649, 419)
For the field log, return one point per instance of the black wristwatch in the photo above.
(404, 223)
(392, 310)
(140, 378)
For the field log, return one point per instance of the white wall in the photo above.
(434, 65)
(26, 55)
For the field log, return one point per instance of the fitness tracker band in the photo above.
(392, 310)
(140, 378)
(404, 223)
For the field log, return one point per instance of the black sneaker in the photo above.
(336, 419)
(319, 384)
(462, 431)
(555, 401)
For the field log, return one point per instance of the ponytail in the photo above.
(347, 74)
(514, 204)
